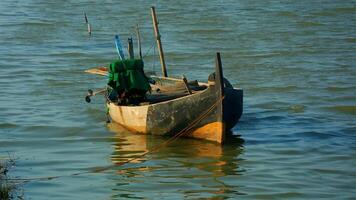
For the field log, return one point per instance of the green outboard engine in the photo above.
(128, 81)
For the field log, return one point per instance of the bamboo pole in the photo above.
(159, 44)
(139, 41)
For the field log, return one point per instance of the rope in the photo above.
(149, 50)
(154, 58)
(184, 131)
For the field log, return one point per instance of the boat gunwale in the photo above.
(180, 80)
(175, 99)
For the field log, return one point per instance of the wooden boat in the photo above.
(175, 106)
(181, 109)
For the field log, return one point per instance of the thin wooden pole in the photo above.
(159, 44)
(219, 80)
(139, 41)
(130, 48)
(219, 85)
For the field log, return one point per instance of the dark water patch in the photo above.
(287, 152)
(343, 10)
(50, 131)
(58, 83)
(8, 125)
(350, 130)
(297, 108)
(281, 107)
(351, 39)
(57, 139)
(325, 13)
(38, 23)
(287, 14)
(316, 135)
(215, 32)
(267, 119)
(341, 99)
(259, 55)
(265, 141)
(15, 76)
(340, 88)
(74, 54)
(310, 24)
(277, 89)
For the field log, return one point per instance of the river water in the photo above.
(295, 61)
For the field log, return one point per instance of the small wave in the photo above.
(261, 55)
(315, 135)
(271, 105)
(287, 88)
(350, 129)
(309, 24)
(339, 88)
(345, 109)
(273, 118)
(58, 83)
(67, 54)
(298, 108)
(346, 10)
(335, 11)
(287, 14)
(282, 106)
(351, 39)
(38, 23)
(8, 125)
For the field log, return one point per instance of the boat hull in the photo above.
(173, 116)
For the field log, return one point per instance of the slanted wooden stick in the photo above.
(159, 44)
(185, 81)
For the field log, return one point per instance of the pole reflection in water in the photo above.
(188, 167)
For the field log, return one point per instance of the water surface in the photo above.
(294, 60)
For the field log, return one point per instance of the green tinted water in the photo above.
(294, 59)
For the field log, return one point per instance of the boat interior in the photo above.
(168, 89)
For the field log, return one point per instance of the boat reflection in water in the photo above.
(187, 166)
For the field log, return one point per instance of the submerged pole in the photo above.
(159, 44)
(130, 48)
(88, 24)
(139, 41)
(89, 29)
(85, 17)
